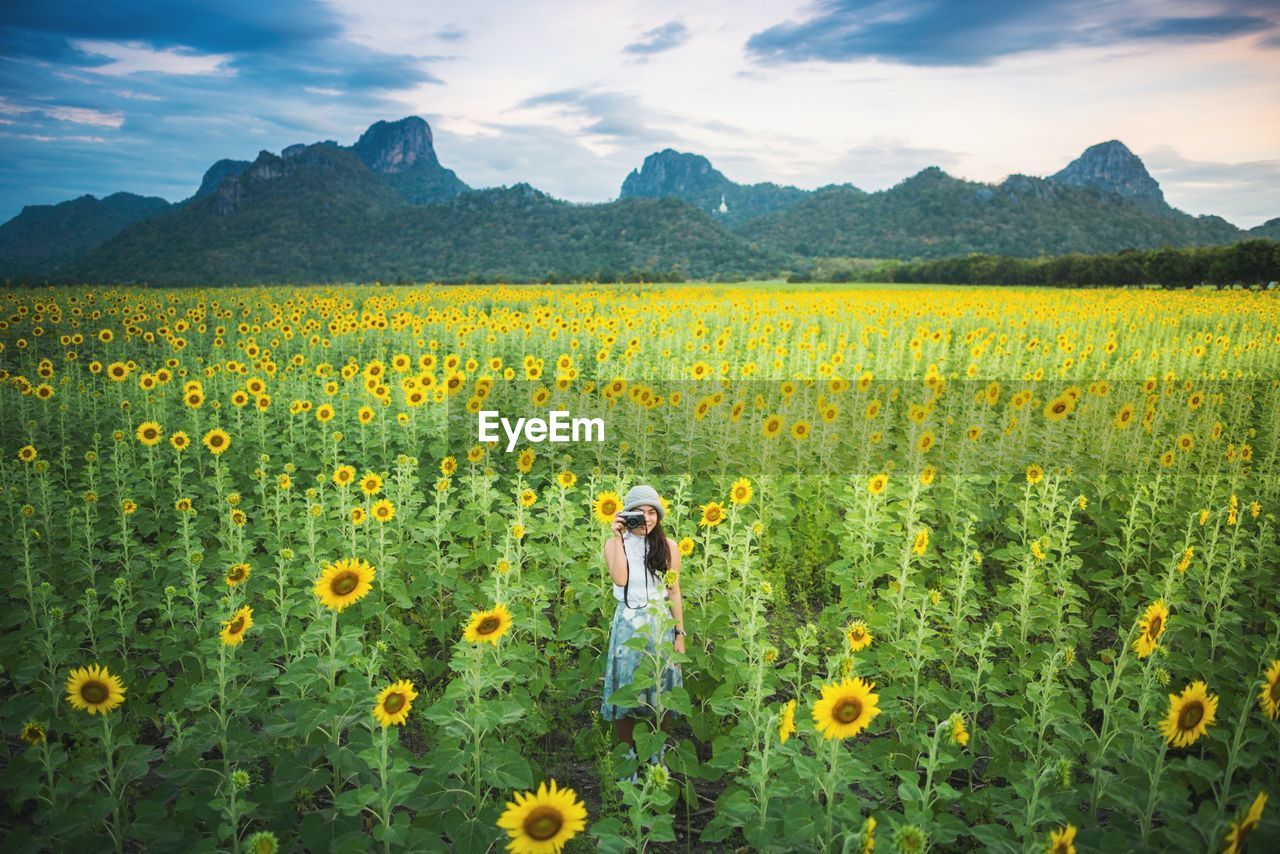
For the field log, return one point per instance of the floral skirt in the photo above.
(623, 661)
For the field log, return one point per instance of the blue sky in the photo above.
(569, 96)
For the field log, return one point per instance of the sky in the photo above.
(570, 96)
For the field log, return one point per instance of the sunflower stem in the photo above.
(109, 747)
(1153, 792)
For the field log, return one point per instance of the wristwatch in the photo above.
(678, 632)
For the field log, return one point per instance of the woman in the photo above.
(638, 562)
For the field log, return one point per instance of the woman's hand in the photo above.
(679, 644)
(618, 526)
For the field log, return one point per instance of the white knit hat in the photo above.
(643, 494)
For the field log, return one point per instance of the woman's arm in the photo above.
(615, 556)
(673, 595)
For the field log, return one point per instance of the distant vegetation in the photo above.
(1250, 262)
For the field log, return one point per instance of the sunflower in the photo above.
(394, 702)
(383, 511)
(868, 835)
(542, 822)
(1189, 714)
(959, 735)
(845, 708)
(772, 426)
(27, 453)
(712, 515)
(217, 440)
(488, 626)
(118, 371)
(33, 733)
(686, 546)
(1269, 697)
(566, 479)
(1239, 832)
(233, 630)
(921, 542)
(358, 515)
(371, 483)
(787, 722)
(237, 573)
(801, 429)
(877, 483)
(1150, 627)
(607, 506)
(1062, 840)
(525, 462)
(344, 582)
(741, 491)
(148, 433)
(858, 636)
(448, 466)
(94, 690)
(180, 441)
(528, 498)
(343, 475)
(1035, 474)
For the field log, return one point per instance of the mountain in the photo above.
(933, 215)
(1269, 229)
(692, 178)
(214, 174)
(1110, 167)
(404, 155)
(321, 215)
(42, 237)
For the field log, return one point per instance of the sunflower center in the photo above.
(345, 583)
(393, 703)
(1153, 630)
(487, 626)
(1191, 715)
(543, 823)
(236, 574)
(94, 692)
(847, 711)
(237, 626)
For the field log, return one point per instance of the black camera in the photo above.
(633, 519)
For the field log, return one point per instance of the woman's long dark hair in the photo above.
(657, 558)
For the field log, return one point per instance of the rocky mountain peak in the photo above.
(392, 147)
(1112, 167)
(673, 173)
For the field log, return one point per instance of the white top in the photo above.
(641, 586)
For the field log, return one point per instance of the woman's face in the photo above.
(650, 517)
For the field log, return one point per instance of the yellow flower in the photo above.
(371, 483)
(921, 542)
(712, 515)
(787, 722)
(237, 573)
(27, 453)
(233, 630)
(542, 822)
(33, 733)
(448, 466)
(877, 483)
(858, 636)
(343, 475)
(394, 702)
(566, 479)
(1190, 714)
(1239, 832)
(869, 836)
(180, 441)
(517, 531)
(149, 434)
(959, 735)
(607, 505)
(488, 626)
(217, 440)
(344, 582)
(1269, 697)
(686, 546)
(845, 708)
(1150, 627)
(1035, 474)
(383, 510)
(741, 491)
(1062, 840)
(94, 690)
(528, 498)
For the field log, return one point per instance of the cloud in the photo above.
(880, 163)
(941, 33)
(62, 113)
(452, 34)
(619, 116)
(134, 57)
(666, 37)
(1245, 194)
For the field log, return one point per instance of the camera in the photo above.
(633, 519)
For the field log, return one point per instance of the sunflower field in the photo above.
(962, 569)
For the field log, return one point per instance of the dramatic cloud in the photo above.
(666, 37)
(977, 32)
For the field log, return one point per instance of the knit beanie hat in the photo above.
(643, 494)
